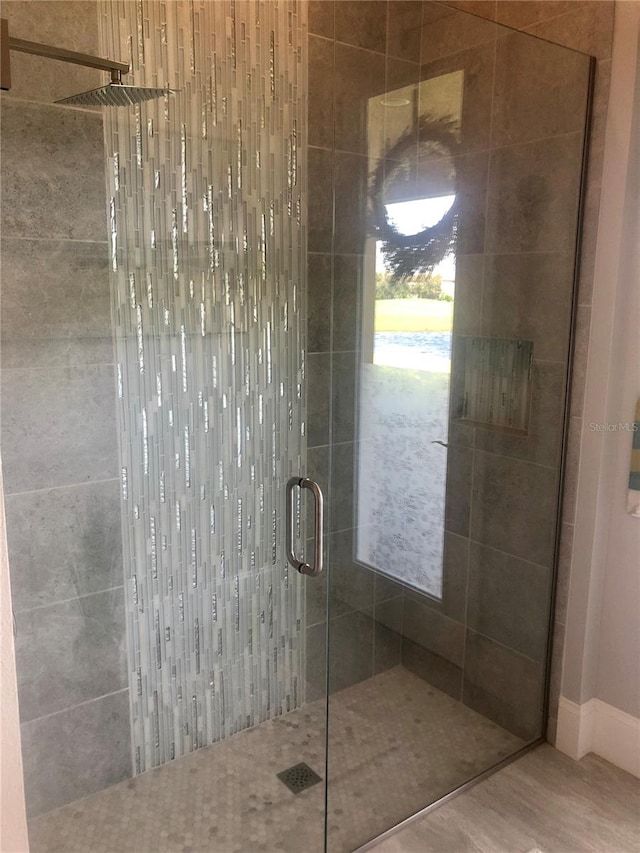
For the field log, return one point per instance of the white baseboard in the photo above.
(574, 735)
(598, 727)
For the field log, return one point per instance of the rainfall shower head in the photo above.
(114, 95)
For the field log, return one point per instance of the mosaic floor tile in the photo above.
(396, 743)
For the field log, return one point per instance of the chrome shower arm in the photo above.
(117, 69)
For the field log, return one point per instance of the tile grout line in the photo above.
(73, 707)
(27, 610)
(65, 240)
(9, 495)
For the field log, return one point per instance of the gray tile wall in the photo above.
(58, 436)
(515, 268)
(587, 26)
(514, 279)
(356, 51)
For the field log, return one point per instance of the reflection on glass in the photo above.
(407, 329)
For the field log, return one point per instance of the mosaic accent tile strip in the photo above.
(208, 238)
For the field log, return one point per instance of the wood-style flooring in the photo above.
(542, 803)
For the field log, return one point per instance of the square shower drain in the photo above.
(299, 777)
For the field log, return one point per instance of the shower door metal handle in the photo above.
(304, 568)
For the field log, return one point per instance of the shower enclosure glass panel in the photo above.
(456, 190)
(156, 612)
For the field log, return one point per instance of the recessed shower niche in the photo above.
(497, 383)
(218, 316)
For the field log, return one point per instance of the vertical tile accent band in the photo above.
(208, 241)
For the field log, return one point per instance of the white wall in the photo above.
(602, 648)
(13, 822)
(618, 667)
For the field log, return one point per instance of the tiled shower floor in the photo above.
(396, 743)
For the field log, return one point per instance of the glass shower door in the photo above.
(167, 678)
(448, 239)
(219, 294)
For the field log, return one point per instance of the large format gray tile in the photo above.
(320, 65)
(404, 29)
(446, 31)
(454, 580)
(320, 202)
(514, 507)
(524, 13)
(461, 434)
(350, 649)
(53, 179)
(316, 661)
(532, 203)
(350, 583)
(71, 24)
(343, 394)
(477, 66)
(454, 577)
(529, 296)
(430, 667)
(362, 23)
(342, 486)
(504, 686)
(398, 75)
(70, 652)
(359, 75)
(387, 635)
(350, 182)
(509, 600)
(55, 303)
(58, 427)
(472, 175)
(540, 90)
(347, 277)
(69, 755)
(467, 306)
(318, 386)
(318, 303)
(587, 27)
(317, 469)
(483, 8)
(433, 631)
(458, 495)
(64, 543)
(321, 17)
(384, 588)
(315, 591)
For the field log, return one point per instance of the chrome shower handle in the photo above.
(316, 491)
